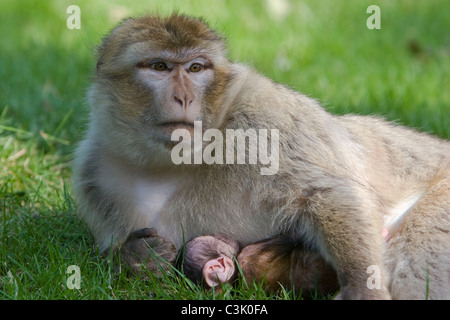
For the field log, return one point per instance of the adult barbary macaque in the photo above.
(339, 177)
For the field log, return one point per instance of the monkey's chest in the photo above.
(194, 212)
(152, 197)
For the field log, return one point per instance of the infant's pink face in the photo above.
(219, 270)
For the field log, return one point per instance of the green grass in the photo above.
(321, 48)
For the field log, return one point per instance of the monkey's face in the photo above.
(176, 87)
(158, 74)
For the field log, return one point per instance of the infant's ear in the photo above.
(219, 270)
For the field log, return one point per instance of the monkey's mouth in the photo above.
(168, 127)
(176, 124)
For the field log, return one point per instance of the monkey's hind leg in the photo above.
(418, 257)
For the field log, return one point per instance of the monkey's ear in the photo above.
(219, 270)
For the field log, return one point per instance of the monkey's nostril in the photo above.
(179, 101)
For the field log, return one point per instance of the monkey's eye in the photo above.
(159, 66)
(196, 67)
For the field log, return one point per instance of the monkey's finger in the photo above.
(155, 241)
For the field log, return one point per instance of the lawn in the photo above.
(321, 48)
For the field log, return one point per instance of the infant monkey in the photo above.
(210, 259)
(277, 261)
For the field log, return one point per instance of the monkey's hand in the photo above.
(145, 250)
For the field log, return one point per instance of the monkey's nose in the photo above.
(184, 103)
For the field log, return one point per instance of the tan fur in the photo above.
(339, 176)
(278, 262)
